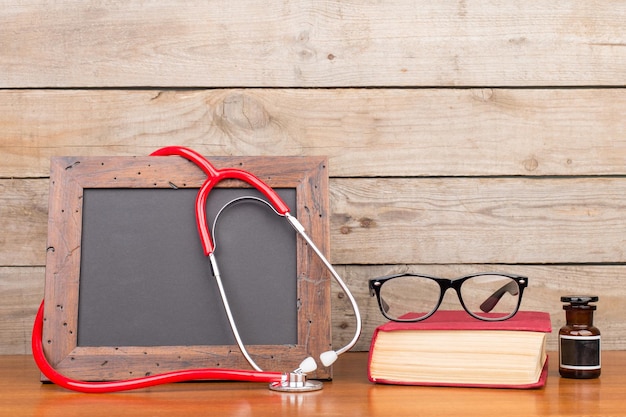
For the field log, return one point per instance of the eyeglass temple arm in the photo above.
(488, 305)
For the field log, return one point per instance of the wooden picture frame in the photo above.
(71, 177)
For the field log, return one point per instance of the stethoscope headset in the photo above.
(294, 381)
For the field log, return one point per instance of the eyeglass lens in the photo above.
(488, 296)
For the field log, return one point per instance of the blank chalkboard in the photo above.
(144, 280)
(130, 292)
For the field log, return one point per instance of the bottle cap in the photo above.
(579, 299)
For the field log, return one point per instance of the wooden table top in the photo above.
(349, 394)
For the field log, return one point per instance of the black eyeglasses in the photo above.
(414, 297)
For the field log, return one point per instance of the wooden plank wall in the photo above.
(462, 136)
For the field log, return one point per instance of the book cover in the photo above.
(472, 339)
(535, 321)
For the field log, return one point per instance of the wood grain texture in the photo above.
(23, 221)
(423, 220)
(460, 135)
(349, 394)
(304, 43)
(478, 220)
(21, 291)
(364, 132)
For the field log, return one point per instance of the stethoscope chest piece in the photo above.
(295, 382)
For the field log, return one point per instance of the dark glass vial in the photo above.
(579, 339)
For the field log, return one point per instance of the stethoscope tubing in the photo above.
(357, 332)
(214, 176)
(202, 374)
(276, 203)
(299, 228)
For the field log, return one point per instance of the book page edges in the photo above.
(458, 358)
(540, 382)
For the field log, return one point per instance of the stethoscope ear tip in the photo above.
(308, 365)
(328, 357)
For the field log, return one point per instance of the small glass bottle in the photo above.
(579, 339)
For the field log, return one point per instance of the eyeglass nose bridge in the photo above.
(445, 284)
(488, 305)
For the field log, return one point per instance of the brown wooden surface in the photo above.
(364, 132)
(307, 43)
(417, 220)
(461, 136)
(349, 394)
(23, 291)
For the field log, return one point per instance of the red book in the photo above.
(451, 348)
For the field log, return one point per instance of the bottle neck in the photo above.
(579, 317)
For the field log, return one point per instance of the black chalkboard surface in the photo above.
(144, 280)
(130, 292)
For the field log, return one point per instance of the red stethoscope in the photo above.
(294, 381)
